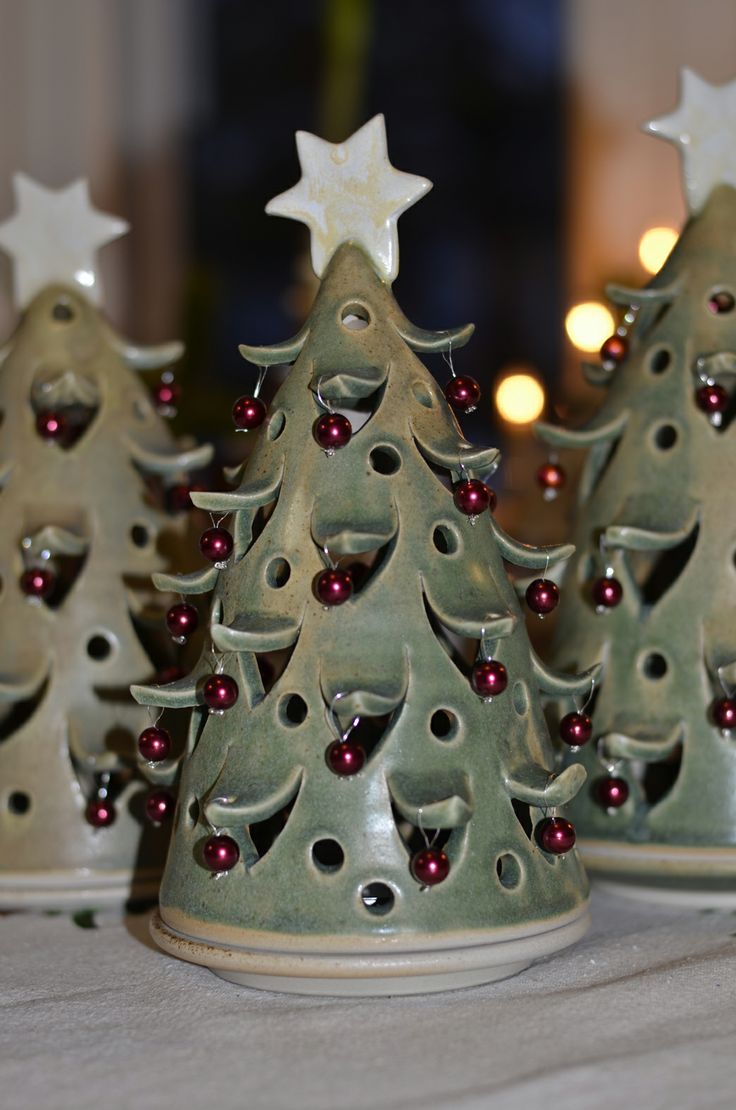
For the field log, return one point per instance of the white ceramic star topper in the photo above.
(54, 236)
(703, 126)
(350, 192)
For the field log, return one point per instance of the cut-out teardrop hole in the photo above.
(292, 710)
(659, 778)
(19, 803)
(276, 424)
(67, 569)
(654, 665)
(522, 810)
(272, 664)
(446, 539)
(369, 732)
(77, 419)
(600, 458)
(443, 475)
(659, 360)
(655, 572)
(328, 855)
(415, 839)
(378, 898)
(355, 316)
(444, 725)
(665, 437)
(520, 698)
(192, 813)
(366, 566)
(21, 712)
(508, 870)
(385, 460)
(461, 650)
(264, 834)
(260, 520)
(278, 573)
(422, 394)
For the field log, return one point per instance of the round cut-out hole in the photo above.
(520, 698)
(422, 394)
(377, 898)
(328, 855)
(508, 871)
(446, 539)
(98, 647)
(659, 360)
(276, 425)
(385, 460)
(278, 573)
(292, 709)
(19, 802)
(654, 665)
(62, 310)
(443, 724)
(140, 535)
(720, 301)
(665, 436)
(355, 317)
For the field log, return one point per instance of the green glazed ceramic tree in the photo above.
(354, 817)
(652, 586)
(83, 458)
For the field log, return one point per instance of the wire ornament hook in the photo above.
(262, 371)
(326, 405)
(447, 356)
(342, 735)
(589, 698)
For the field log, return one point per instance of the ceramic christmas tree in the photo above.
(369, 810)
(84, 462)
(652, 587)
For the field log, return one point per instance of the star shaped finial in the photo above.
(54, 237)
(350, 191)
(703, 126)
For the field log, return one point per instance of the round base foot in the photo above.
(434, 964)
(79, 889)
(663, 874)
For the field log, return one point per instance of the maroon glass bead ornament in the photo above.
(100, 813)
(724, 713)
(334, 587)
(607, 593)
(472, 497)
(160, 806)
(462, 394)
(614, 350)
(166, 395)
(248, 413)
(345, 758)
(154, 744)
(220, 853)
(332, 431)
(551, 478)
(220, 692)
(182, 620)
(430, 866)
(712, 399)
(612, 792)
(542, 596)
(51, 426)
(576, 729)
(556, 835)
(216, 544)
(489, 678)
(38, 583)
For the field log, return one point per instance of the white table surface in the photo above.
(641, 1013)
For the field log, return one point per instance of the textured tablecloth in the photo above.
(641, 1013)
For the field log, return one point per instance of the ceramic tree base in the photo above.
(387, 967)
(76, 889)
(703, 878)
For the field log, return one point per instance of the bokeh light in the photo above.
(519, 398)
(588, 325)
(654, 247)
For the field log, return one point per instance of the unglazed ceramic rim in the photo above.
(75, 889)
(308, 966)
(666, 874)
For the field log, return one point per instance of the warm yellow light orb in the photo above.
(654, 246)
(588, 325)
(519, 398)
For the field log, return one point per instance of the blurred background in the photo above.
(524, 113)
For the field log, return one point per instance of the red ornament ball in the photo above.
(607, 593)
(489, 677)
(542, 596)
(160, 806)
(463, 394)
(556, 835)
(712, 399)
(166, 395)
(473, 497)
(182, 620)
(612, 792)
(332, 431)
(100, 813)
(614, 350)
(154, 744)
(551, 477)
(721, 302)
(37, 582)
(430, 866)
(576, 729)
(344, 758)
(724, 713)
(334, 587)
(248, 413)
(220, 853)
(216, 544)
(220, 692)
(51, 426)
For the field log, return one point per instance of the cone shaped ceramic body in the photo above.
(84, 458)
(323, 896)
(657, 512)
